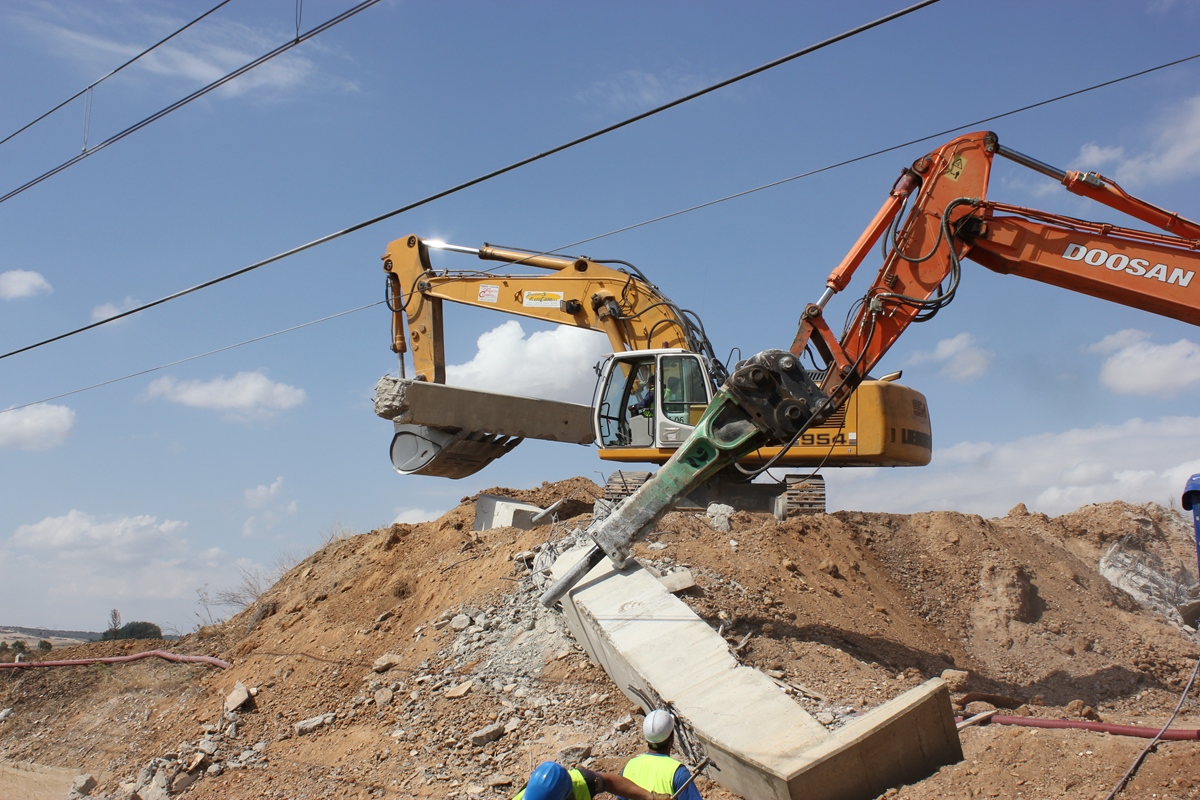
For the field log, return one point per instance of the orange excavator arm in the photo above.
(951, 219)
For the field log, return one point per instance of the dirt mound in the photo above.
(414, 661)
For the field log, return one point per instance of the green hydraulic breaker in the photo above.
(768, 399)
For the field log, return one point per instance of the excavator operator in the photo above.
(643, 388)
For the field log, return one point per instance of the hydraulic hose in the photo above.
(1179, 734)
(81, 662)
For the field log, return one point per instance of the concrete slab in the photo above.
(764, 745)
(455, 408)
(494, 511)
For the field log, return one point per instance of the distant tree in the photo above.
(114, 625)
(139, 630)
(18, 646)
(45, 646)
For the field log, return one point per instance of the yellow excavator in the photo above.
(652, 390)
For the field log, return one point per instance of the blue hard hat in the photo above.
(550, 781)
(1191, 491)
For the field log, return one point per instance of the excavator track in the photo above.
(623, 483)
(805, 495)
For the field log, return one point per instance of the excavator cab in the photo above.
(649, 401)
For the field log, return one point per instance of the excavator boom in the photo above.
(950, 219)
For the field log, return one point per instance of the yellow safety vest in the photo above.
(653, 772)
(579, 790)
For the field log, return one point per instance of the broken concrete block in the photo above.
(460, 690)
(574, 754)
(83, 784)
(679, 581)
(486, 734)
(493, 511)
(313, 723)
(386, 662)
(718, 516)
(237, 698)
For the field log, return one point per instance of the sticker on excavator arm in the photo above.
(489, 293)
(542, 299)
(954, 169)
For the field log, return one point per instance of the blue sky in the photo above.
(137, 494)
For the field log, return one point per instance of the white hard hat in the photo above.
(659, 726)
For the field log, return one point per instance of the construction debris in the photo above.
(909, 605)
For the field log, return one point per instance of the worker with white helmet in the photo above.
(656, 770)
(553, 781)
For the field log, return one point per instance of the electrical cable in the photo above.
(452, 190)
(459, 187)
(1142, 755)
(193, 358)
(884, 151)
(87, 89)
(283, 48)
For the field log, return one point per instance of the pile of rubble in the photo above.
(415, 661)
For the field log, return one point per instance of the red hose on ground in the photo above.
(1117, 730)
(79, 662)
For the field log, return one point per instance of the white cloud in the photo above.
(247, 394)
(1173, 155)
(635, 90)
(270, 507)
(555, 364)
(208, 51)
(1093, 156)
(961, 359)
(259, 496)
(1136, 461)
(1138, 366)
(22, 283)
(36, 427)
(78, 565)
(77, 536)
(1118, 341)
(411, 516)
(107, 310)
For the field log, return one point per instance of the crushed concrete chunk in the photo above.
(718, 516)
(386, 662)
(460, 690)
(486, 734)
(83, 784)
(679, 581)
(237, 698)
(313, 723)
(574, 754)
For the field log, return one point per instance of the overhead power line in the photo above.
(283, 48)
(660, 218)
(458, 188)
(192, 358)
(883, 151)
(103, 78)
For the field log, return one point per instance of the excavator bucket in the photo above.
(451, 432)
(422, 450)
